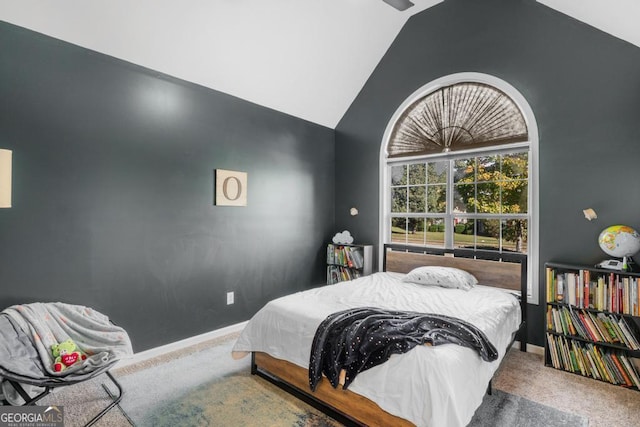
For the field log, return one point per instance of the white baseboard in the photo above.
(535, 349)
(530, 348)
(178, 345)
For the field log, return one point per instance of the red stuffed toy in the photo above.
(66, 355)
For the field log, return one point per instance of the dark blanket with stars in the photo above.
(361, 338)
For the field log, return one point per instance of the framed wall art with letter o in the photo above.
(231, 188)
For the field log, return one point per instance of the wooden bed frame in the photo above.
(503, 270)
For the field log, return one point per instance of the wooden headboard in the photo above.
(490, 268)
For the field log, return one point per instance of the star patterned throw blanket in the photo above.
(358, 339)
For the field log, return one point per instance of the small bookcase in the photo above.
(347, 262)
(593, 323)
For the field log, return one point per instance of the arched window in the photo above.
(458, 169)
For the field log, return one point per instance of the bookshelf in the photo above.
(347, 262)
(593, 323)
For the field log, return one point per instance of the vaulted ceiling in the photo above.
(307, 58)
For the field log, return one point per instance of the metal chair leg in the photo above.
(114, 402)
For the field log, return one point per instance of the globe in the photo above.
(619, 241)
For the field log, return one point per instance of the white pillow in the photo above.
(446, 277)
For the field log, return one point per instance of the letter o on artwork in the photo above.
(234, 183)
(231, 188)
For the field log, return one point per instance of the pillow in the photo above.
(446, 277)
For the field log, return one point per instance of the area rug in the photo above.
(504, 409)
(238, 400)
(244, 400)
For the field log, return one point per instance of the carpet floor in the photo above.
(206, 387)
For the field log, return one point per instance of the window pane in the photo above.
(399, 175)
(488, 168)
(399, 230)
(464, 233)
(437, 172)
(437, 198)
(398, 200)
(489, 198)
(488, 234)
(514, 235)
(416, 233)
(515, 197)
(417, 199)
(417, 174)
(496, 185)
(515, 166)
(464, 198)
(435, 232)
(464, 171)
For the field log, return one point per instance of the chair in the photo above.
(27, 333)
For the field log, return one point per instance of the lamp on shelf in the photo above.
(5, 178)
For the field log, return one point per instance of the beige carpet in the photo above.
(605, 405)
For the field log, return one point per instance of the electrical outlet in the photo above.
(229, 298)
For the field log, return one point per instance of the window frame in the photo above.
(449, 215)
(531, 145)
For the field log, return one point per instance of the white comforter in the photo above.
(430, 386)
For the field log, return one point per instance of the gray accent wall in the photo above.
(583, 86)
(113, 186)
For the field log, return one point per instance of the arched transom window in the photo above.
(457, 117)
(457, 169)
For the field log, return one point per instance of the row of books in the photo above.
(597, 327)
(592, 361)
(348, 256)
(611, 292)
(338, 273)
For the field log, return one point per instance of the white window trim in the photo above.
(532, 127)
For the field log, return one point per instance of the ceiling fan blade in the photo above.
(399, 4)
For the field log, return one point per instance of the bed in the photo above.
(427, 386)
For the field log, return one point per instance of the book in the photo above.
(603, 368)
(633, 374)
(594, 368)
(551, 296)
(571, 288)
(586, 278)
(626, 380)
(577, 356)
(591, 329)
(627, 332)
(600, 328)
(612, 337)
(330, 254)
(347, 256)
(358, 257)
(552, 351)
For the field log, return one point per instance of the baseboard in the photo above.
(535, 349)
(178, 345)
(530, 348)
